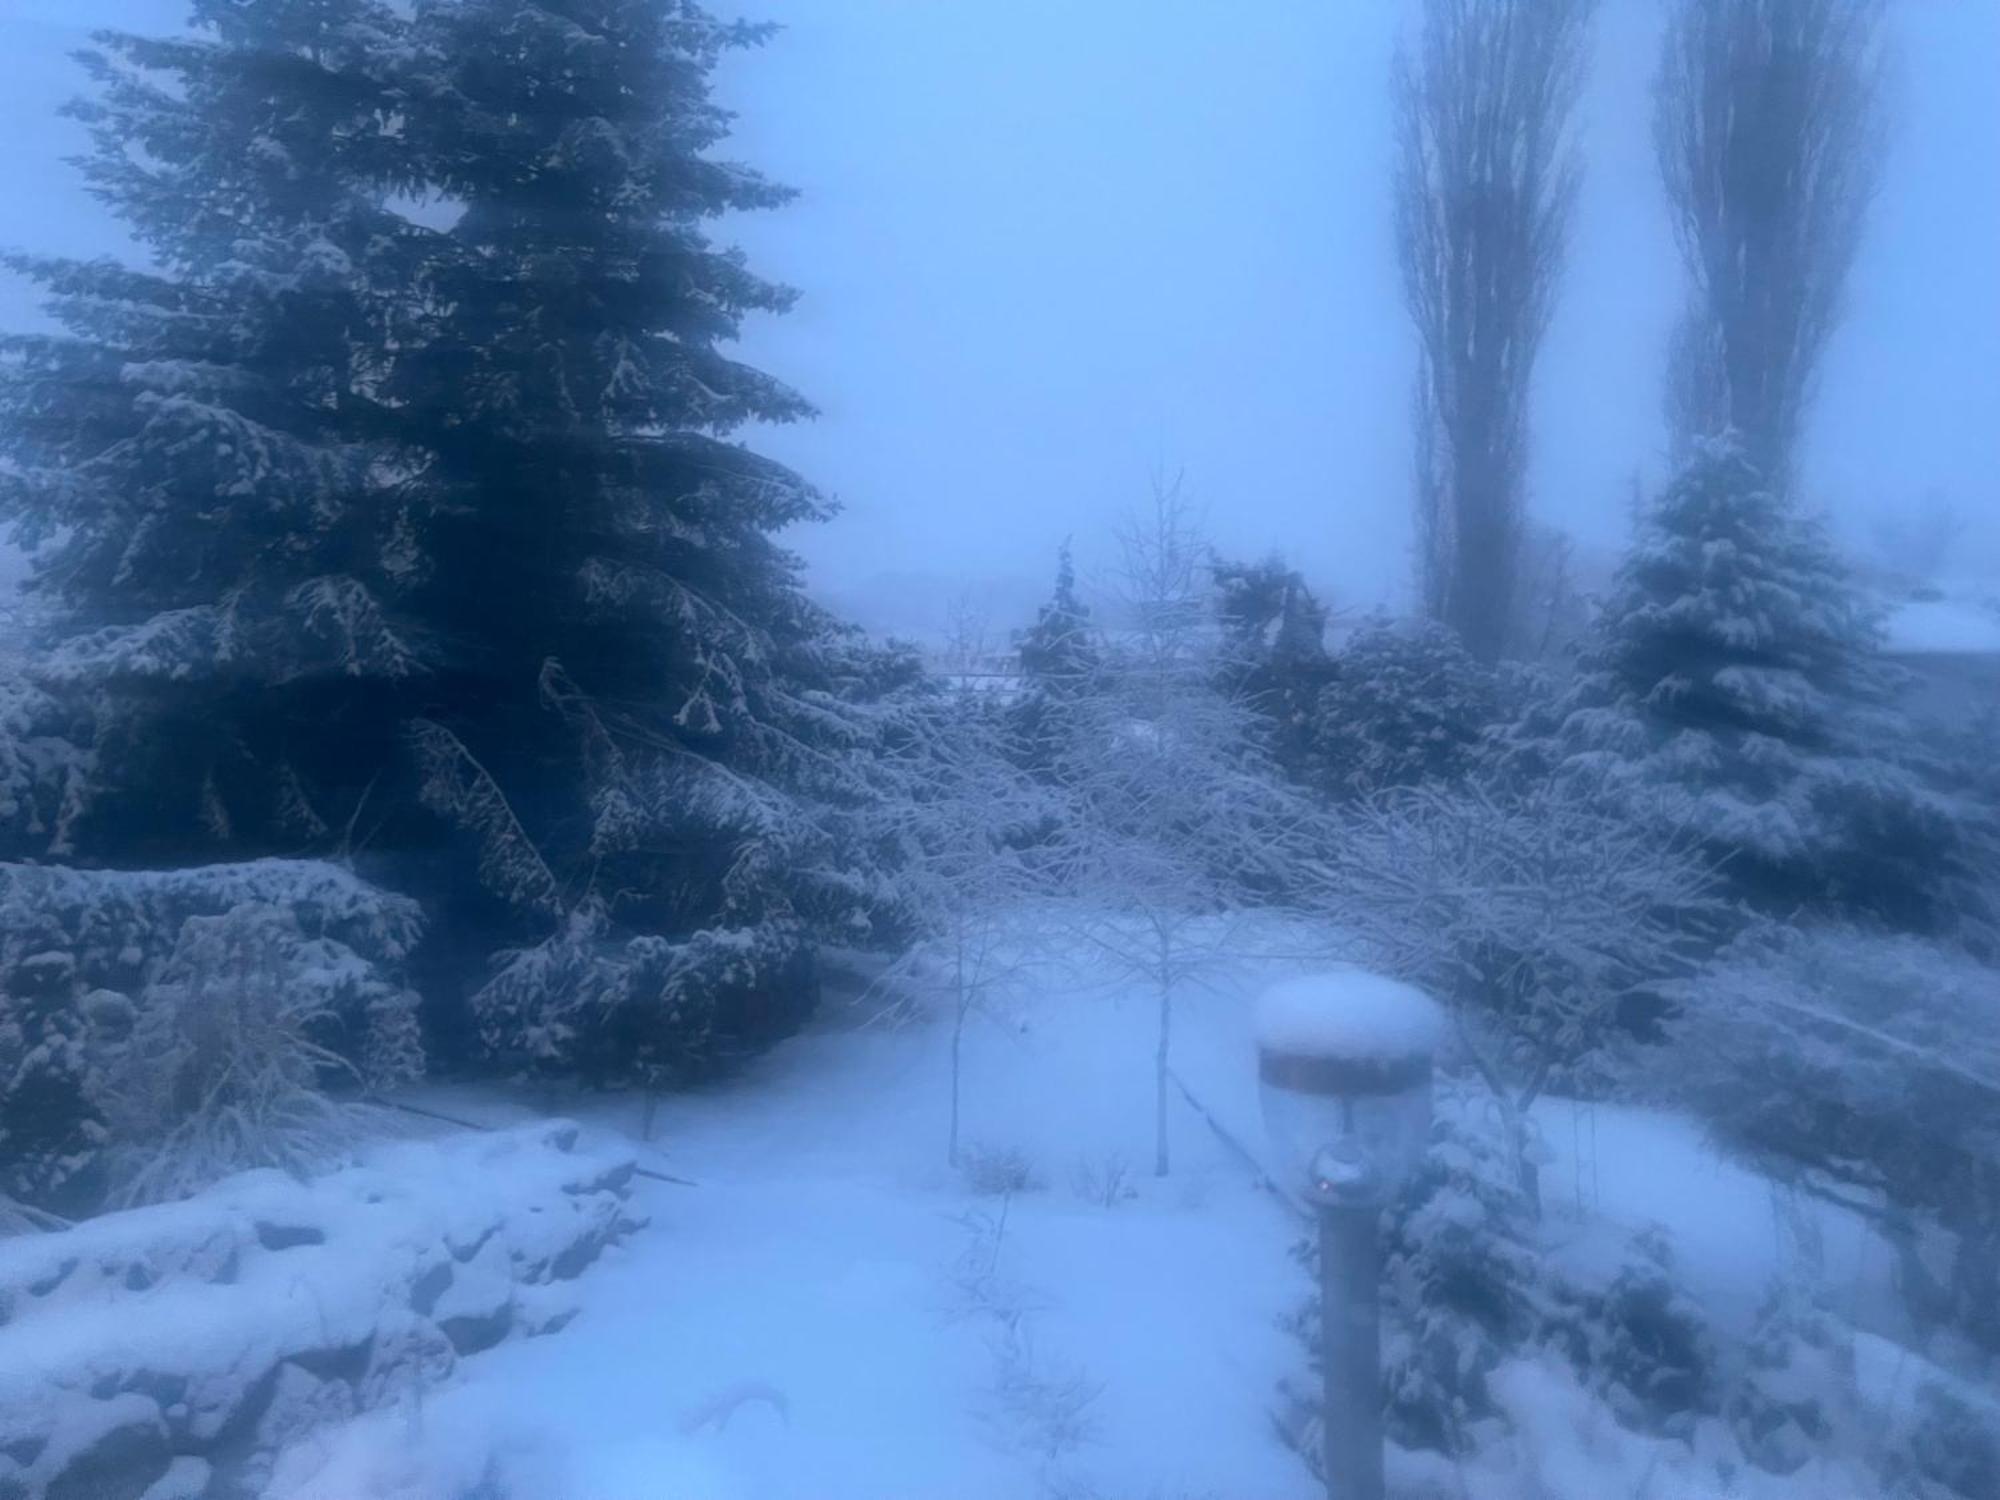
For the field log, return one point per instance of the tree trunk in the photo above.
(1531, 1184)
(1160, 1081)
(961, 1008)
(957, 1040)
(1527, 1173)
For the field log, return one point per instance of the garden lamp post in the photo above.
(1344, 1069)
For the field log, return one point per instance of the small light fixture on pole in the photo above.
(1344, 1068)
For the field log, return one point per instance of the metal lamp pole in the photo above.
(1348, 1193)
(1344, 1065)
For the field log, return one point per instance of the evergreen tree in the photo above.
(1734, 680)
(1060, 663)
(205, 450)
(643, 721)
(1059, 650)
(434, 541)
(1274, 645)
(1406, 705)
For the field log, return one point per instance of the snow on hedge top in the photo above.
(1348, 1013)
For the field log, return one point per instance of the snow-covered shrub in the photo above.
(165, 1022)
(1105, 1181)
(1543, 918)
(222, 1071)
(1634, 1336)
(52, 1094)
(1037, 1402)
(1871, 1061)
(994, 1171)
(1952, 1444)
(1797, 1383)
(121, 927)
(1459, 1281)
(42, 758)
(1405, 705)
(1470, 1286)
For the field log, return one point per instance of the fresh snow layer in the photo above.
(217, 1329)
(824, 1317)
(1349, 1013)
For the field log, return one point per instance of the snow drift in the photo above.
(180, 1346)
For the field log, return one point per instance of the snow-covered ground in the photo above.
(830, 1312)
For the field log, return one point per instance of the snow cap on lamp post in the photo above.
(1344, 1067)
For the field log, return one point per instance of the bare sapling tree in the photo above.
(1768, 122)
(968, 635)
(963, 819)
(1533, 917)
(1917, 543)
(1172, 817)
(1486, 179)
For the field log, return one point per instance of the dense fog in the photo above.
(946, 751)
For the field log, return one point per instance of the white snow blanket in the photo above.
(169, 1352)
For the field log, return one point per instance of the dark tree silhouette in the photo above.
(1768, 123)
(1486, 179)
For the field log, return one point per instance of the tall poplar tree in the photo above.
(1768, 120)
(1486, 181)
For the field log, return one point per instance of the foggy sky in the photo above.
(1048, 246)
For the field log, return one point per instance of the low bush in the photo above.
(164, 1028)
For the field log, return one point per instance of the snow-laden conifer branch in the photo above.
(457, 786)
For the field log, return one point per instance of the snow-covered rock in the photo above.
(171, 1351)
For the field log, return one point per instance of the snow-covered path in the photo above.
(810, 1295)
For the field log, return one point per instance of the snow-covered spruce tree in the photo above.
(1274, 646)
(1733, 682)
(644, 723)
(1060, 659)
(227, 538)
